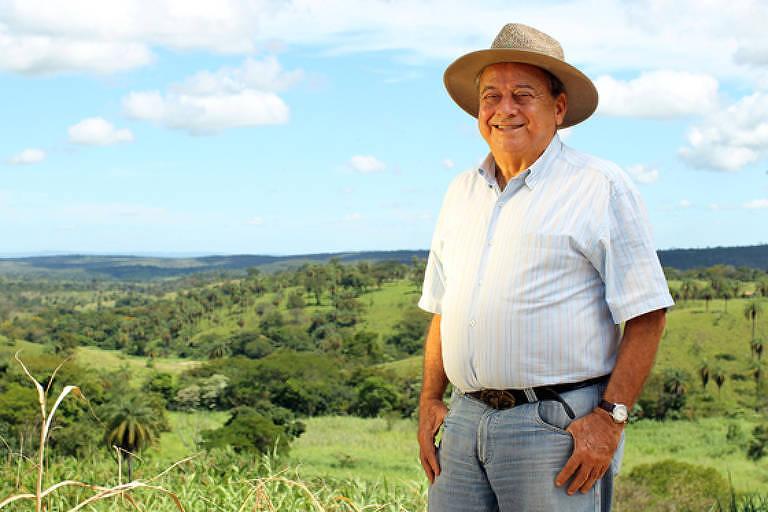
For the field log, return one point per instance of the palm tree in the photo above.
(704, 374)
(719, 377)
(751, 311)
(725, 294)
(757, 348)
(757, 374)
(688, 289)
(131, 425)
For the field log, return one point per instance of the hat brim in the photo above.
(460, 78)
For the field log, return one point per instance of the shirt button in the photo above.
(472, 323)
(490, 242)
(479, 283)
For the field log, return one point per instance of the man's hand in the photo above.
(595, 438)
(431, 415)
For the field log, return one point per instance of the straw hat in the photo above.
(520, 43)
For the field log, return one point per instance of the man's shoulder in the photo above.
(605, 171)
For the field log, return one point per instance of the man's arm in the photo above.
(596, 435)
(432, 410)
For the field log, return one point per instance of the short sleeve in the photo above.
(630, 268)
(433, 288)
(434, 284)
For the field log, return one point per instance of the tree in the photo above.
(757, 374)
(719, 377)
(726, 296)
(375, 395)
(363, 344)
(751, 311)
(410, 331)
(219, 349)
(688, 290)
(162, 384)
(704, 374)
(757, 447)
(418, 268)
(295, 300)
(757, 348)
(133, 422)
(316, 280)
(348, 309)
(247, 430)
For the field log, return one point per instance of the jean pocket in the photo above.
(552, 415)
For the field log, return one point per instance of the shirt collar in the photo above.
(487, 168)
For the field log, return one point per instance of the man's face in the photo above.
(518, 115)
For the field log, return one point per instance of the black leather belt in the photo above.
(507, 398)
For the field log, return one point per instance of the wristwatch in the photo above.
(617, 411)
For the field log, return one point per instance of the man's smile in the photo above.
(507, 126)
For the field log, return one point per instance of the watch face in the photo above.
(620, 413)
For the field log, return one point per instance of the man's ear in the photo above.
(561, 107)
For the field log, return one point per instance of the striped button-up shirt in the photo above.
(533, 282)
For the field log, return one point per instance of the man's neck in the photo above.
(509, 169)
(511, 165)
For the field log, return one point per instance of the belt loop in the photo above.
(530, 394)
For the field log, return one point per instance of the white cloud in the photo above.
(28, 156)
(353, 217)
(366, 164)
(256, 221)
(35, 54)
(209, 102)
(756, 203)
(599, 35)
(684, 203)
(731, 138)
(96, 131)
(643, 174)
(448, 163)
(657, 95)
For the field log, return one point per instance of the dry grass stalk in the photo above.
(261, 491)
(103, 492)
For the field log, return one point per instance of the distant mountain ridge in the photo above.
(144, 267)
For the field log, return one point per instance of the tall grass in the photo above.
(41, 496)
(216, 481)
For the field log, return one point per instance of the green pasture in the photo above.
(720, 339)
(378, 449)
(385, 306)
(373, 449)
(366, 448)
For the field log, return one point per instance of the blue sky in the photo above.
(289, 127)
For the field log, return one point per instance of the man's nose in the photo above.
(509, 104)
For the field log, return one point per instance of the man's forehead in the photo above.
(516, 70)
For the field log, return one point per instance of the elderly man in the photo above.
(538, 257)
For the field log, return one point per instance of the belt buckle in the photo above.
(498, 398)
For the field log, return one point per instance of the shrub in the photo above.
(375, 395)
(677, 485)
(759, 443)
(248, 430)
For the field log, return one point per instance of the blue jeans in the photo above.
(507, 460)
